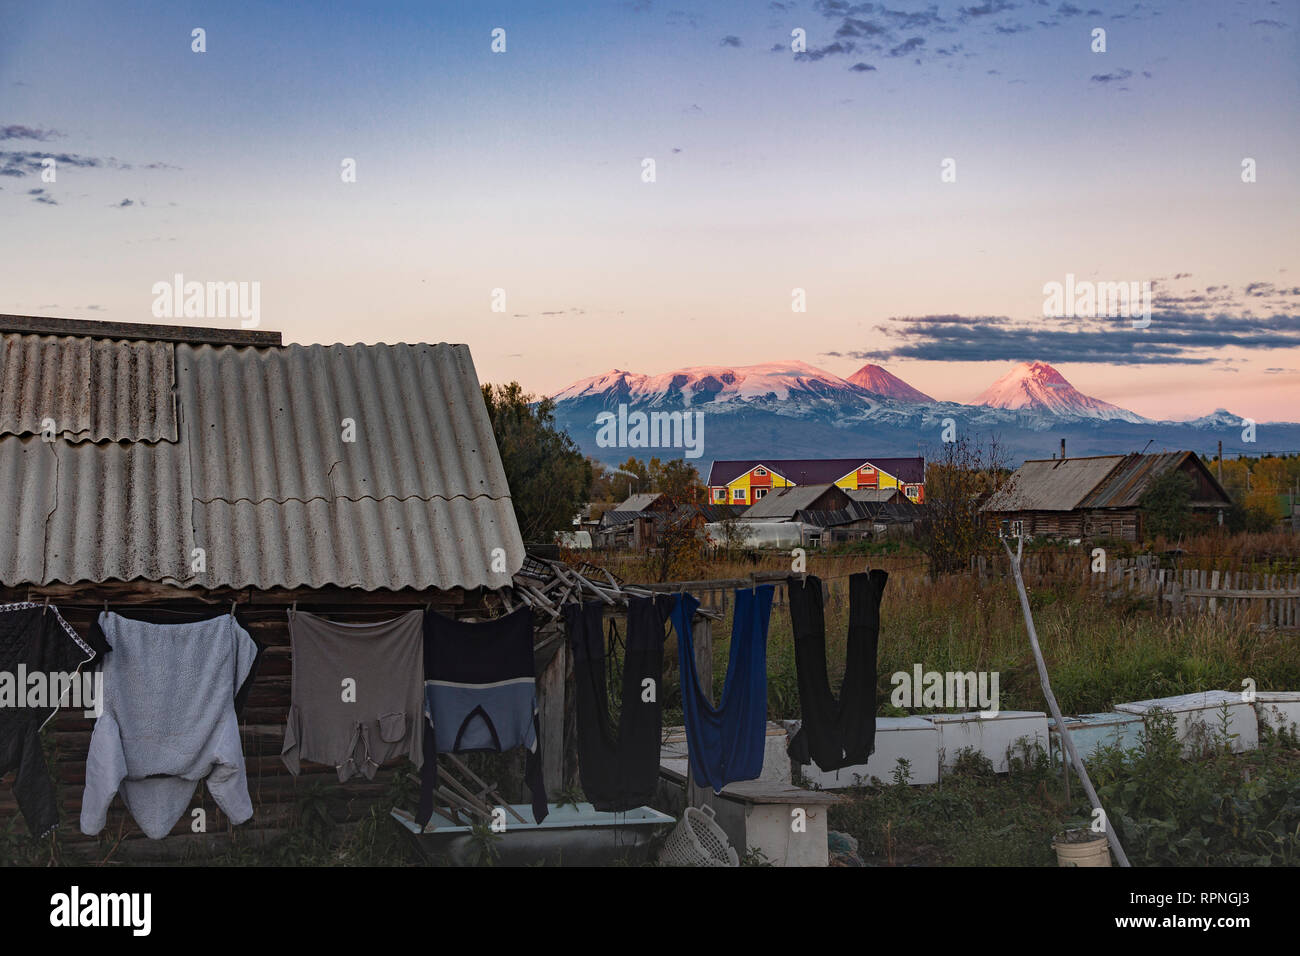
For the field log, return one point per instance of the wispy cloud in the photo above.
(838, 48)
(18, 131)
(1111, 77)
(1195, 335)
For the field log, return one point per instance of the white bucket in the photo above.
(1081, 848)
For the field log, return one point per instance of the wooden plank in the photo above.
(151, 592)
(550, 718)
(137, 331)
(775, 792)
(1253, 595)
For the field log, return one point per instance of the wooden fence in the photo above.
(1270, 599)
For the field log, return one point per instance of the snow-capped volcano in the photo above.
(880, 382)
(780, 381)
(1036, 386)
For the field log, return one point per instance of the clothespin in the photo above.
(47, 605)
(232, 608)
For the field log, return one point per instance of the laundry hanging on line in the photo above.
(480, 694)
(725, 743)
(168, 722)
(356, 697)
(619, 766)
(836, 733)
(35, 640)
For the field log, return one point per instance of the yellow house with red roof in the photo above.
(742, 482)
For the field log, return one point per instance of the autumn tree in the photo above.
(959, 477)
(675, 477)
(1166, 505)
(549, 477)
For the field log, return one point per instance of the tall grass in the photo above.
(1098, 652)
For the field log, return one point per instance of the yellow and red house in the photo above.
(745, 481)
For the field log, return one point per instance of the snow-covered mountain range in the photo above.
(793, 409)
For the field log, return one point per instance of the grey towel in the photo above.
(168, 722)
(357, 694)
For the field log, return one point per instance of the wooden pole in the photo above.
(1066, 739)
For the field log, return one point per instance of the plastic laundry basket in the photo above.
(697, 840)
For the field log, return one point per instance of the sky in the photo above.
(776, 166)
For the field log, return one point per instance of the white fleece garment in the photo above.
(168, 722)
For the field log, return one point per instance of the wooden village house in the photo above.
(1096, 497)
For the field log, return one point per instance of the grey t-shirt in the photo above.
(357, 693)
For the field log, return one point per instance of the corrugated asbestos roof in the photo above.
(258, 473)
(1056, 484)
(94, 511)
(93, 390)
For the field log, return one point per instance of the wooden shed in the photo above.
(171, 473)
(784, 503)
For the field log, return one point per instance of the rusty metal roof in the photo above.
(259, 474)
(1055, 484)
(640, 502)
(90, 389)
(1124, 487)
(784, 502)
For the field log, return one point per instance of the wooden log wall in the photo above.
(277, 795)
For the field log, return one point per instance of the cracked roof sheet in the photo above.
(370, 466)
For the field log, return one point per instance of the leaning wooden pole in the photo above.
(1066, 740)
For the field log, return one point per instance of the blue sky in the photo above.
(821, 170)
